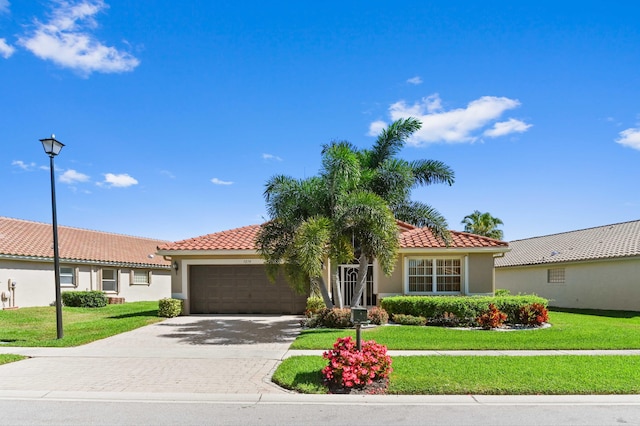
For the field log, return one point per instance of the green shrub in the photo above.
(335, 318)
(169, 308)
(84, 299)
(457, 310)
(403, 319)
(502, 292)
(378, 316)
(314, 304)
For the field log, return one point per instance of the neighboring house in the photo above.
(223, 272)
(122, 266)
(595, 268)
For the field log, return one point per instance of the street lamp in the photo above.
(52, 148)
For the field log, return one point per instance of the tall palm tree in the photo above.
(348, 211)
(483, 224)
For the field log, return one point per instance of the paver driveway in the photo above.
(194, 354)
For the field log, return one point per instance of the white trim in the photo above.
(434, 284)
(466, 275)
(206, 252)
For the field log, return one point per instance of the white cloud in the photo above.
(67, 40)
(119, 181)
(168, 174)
(71, 176)
(415, 80)
(4, 6)
(506, 127)
(6, 50)
(271, 157)
(24, 166)
(217, 181)
(630, 138)
(456, 125)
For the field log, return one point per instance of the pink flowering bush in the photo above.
(349, 368)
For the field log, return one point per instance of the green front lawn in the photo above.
(7, 358)
(37, 326)
(461, 375)
(571, 329)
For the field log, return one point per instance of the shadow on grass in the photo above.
(597, 312)
(151, 313)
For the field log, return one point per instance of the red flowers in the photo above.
(350, 368)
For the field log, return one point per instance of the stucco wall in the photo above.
(612, 284)
(35, 282)
(481, 277)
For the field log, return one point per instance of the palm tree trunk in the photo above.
(363, 266)
(335, 281)
(324, 292)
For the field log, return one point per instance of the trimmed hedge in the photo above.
(84, 299)
(169, 308)
(458, 310)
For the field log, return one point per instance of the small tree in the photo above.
(483, 224)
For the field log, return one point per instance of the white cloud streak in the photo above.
(71, 176)
(217, 181)
(6, 50)
(67, 40)
(630, 138)
(271, 157)
(118, 181)
(506, 127)
(4, 6)
(457, 125)
(417, 80)
(24, 166)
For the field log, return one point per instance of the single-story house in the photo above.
(122, 266)
(595, 268)
(223, 272)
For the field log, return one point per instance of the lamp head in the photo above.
(51, 146)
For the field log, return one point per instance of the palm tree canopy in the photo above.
(483, 224)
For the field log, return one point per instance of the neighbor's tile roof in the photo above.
(26, 239)
(610, 241)
(244, 239)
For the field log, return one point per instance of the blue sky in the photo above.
(174, 114)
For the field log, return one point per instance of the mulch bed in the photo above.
(378, 387)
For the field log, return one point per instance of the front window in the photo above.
(109, 280)
(434, 275)
(67, 277)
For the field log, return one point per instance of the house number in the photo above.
(245, 261)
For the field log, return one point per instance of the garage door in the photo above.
(230, 289)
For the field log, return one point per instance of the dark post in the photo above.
(56, 255)
(52, 148)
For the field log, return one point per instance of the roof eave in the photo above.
(85, 262)
(455, 249)
(207, 252)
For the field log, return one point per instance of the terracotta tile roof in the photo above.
(424, 238)
(234, 239)
(410, 237)
(603, 242)
(26, 239)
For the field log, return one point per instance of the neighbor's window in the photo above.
(109, 280)
(67, 276)
(555, 275)
(141, 277)
(434, 275)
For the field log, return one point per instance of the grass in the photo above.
(7, 358)
(37, 326)
(571, 329)
(461, 375)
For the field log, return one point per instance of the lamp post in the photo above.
(52, 148)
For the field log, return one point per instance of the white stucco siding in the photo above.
(35, 283)
(607, 284)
